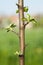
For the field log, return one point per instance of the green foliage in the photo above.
(18, 53)
(25, 9)
(28, 18)
(39, 22)
(17, 11)
(24, 19)
(10, 27)
(33, 20)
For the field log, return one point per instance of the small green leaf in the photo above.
(12, 25)
(8, 29)
(25, 9)
(17, 11)
(33, 20)
(16, 53)
(28, 17)
(24, 19)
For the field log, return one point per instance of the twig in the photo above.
(17, 5)
(26, 24)
(15, 32)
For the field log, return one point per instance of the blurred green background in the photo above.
(9, 44)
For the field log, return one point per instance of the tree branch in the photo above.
(26, 24)
(30, 21)
(15, 32)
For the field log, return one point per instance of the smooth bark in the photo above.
(21, 33)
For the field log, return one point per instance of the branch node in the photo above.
(26, 24)
(21, 55)
(17, 5)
